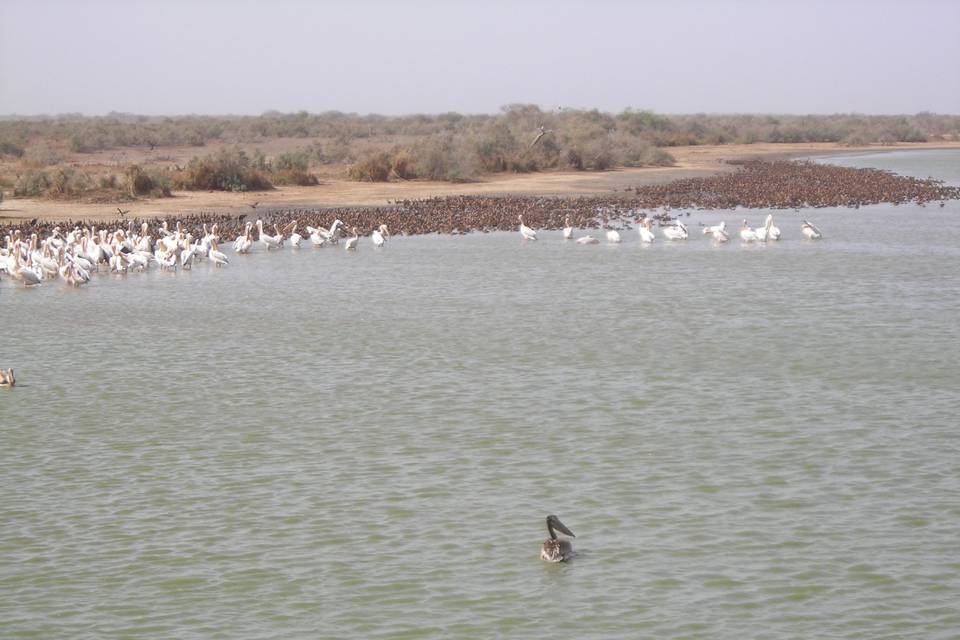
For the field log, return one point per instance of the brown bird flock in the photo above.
(756, 184)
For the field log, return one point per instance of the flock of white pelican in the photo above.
(72, 256)
(677, 230)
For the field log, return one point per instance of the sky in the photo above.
(394, 57)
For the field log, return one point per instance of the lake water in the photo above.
(748, 441)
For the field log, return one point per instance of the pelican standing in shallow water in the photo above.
(773, 231)
(646, 233)
(567, 229)
(525, 231)
(380, 235)
(556, 549)
(352, 242)
(613, 236)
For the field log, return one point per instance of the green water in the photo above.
(748, 441)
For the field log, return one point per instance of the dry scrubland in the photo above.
(119, 158)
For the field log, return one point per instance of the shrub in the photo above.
(292, 160)
(67, 182)
(294, 176)
(226, 170)
(374, 167)
(444, 157)
(107, 181)
(39, 157)
(402, 166)
(146, 183)
(31, 184)
(10, 149)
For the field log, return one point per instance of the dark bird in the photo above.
(122, 212)
(254, 205)
(556, 549)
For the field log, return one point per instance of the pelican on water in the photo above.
(646, 233)
(773, 231)
(270, 242)
(556, 549)
(810, 231)
(217, 257)
(613, 236)
(525, 231)
(351, 244)
(587, 239)
(7, 379)
(677, 231)
(244, 241)
(746, 233)
(719, 232)
(567, 228)
(380, 235)
(710, 230)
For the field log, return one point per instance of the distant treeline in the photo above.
(448, 146)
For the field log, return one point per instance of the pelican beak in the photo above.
(559, 526)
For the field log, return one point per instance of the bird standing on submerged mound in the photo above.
(525, 231)
(380, 235)
(556, 549)
(7, 379)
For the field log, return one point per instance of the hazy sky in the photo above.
(675, 56)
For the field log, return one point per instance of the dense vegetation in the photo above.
(448, 146)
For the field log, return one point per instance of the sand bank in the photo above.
(690, 162)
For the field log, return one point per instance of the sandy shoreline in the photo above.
(690, 162)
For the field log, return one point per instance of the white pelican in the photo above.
(720, 232)
(7, 379)
(26, 276)
(709, 231)
(810, 231)
(270, 242)
(244, 241)
(216, 256)
(677, 231)
(351, 244)
(773, 231)
(746, 233)
(646, 233)
(556, 549)
(761, 233)
(380, 235)
(613, 236)
(525, 231)
(567, 228)
(295, 237)
(317, 238)
(333, 235)
(587, 239)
